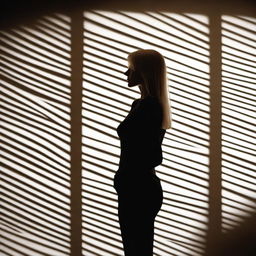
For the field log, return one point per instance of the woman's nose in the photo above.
(126, 72)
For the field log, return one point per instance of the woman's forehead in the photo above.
(130, 65)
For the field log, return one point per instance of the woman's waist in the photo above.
(136, 171)
(135, 175)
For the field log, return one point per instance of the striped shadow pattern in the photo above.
(35, 138)
(183, 39)
(35, 129)
(238, 119)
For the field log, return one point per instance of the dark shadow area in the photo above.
(239, 241)
(15, 12)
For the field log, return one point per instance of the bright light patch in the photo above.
(108, 38)
(35, 131)
(35, 138)
(238, 119)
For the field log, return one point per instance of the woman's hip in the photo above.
(137, 182)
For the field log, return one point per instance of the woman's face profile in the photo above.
(133, 77)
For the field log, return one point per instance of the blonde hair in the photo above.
(151, 66)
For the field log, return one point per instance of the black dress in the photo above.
(139, 190)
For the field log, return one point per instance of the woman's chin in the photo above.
(132, 84)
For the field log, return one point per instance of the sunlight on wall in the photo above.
(183, 40)
(35, 137)
(238, 119)
(35, 129)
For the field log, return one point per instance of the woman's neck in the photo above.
(143, 92)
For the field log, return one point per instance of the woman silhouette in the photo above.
(141, 133)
